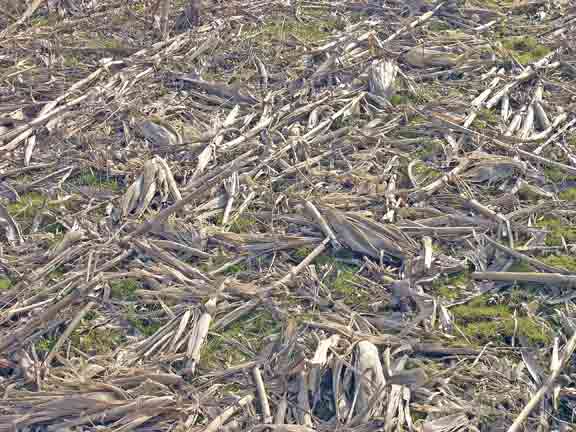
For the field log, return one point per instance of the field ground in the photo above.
(288, 215)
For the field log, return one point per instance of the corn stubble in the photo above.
(290, 217)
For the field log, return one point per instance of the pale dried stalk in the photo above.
(437, 184)
(546, 278)
(232, 186)
(477, 103)
(262, 396)
(306, 261)
(236, 314)
(261, 125)
(35, 4)
(139, 405)
(514, 124)
(428, 252)
(219, 421)
(528, 73)
(568, 351)
(12, 341)
(198, 336)
(49, 111)
(263, 73)
(421, 19)
(532, 261)
(497, 217)
(281, 408)
(179, 205)
(164, 12)
(241, 209)
(562, 130)
(64, 336)
(321, 353)
(167, 244)
(323, 225)
(303, 400)
(528, 124)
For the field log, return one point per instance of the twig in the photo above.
(261, 390)
(323, 225)
(546, 278)
(217, 423)
(295, 270)
(568, 351)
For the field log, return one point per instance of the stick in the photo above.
(323, 225)
(261, 390)
(546, 278)
(568, 351)
(217, 423)
(295, 270)
(75, 322)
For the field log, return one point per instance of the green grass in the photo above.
(248, 331)
(483, 323)
(124, 289)
(5, 284)
(399, 100)
(423, 170)
(89, 178)
(568, 194)
(305, 32)
(28, 205)
(146, 327)
(525, 49)
(235, 269)
(98, 340)
(450, 287)
(346, 286)
(558, 230)
(242, 224)
(520, 267)
(556, 175)
(45, 344)
(302, 253)
(564, 261)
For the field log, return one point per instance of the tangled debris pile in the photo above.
(288, 216)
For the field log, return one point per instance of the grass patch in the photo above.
(525, 49)
(5, 284)
(124, 289)
(235, 269)
(94, 42)
(568, 194)
(144, 326)
(520, 267)
(450, 287)
(557, 231)
(89, 178)
(242, 224)
(346, 286)
(305, 32)
(45, 344)
(97, 341)
(28, 205)
(249, 331)
(425, 172)
(556, 175)
(483, 323)
(301, 253)
(564, 261)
